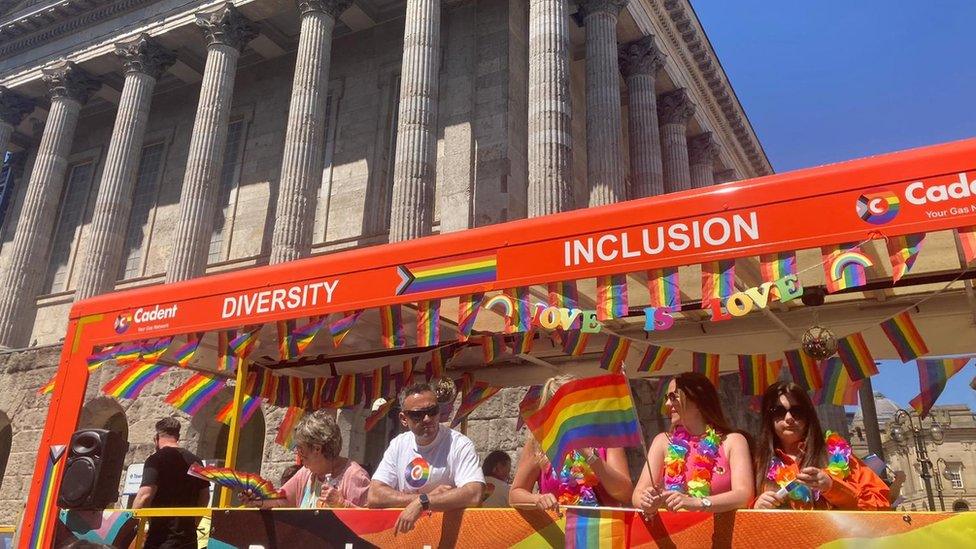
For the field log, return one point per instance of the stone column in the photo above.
(69, 87)
(674, 109)
(605, 170)
(301, 163)
(702, 149)
(227, 32)
(13, 108)
(414, 166)
(550, 184)
(143, 61)
(639, 61)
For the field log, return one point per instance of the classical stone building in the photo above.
(152, 141)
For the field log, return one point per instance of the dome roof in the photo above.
(885, 407)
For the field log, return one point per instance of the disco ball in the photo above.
(819, 343)
(444, 389)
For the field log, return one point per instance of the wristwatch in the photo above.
(425, 502)
(706, 504)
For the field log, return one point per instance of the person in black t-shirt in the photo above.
(165, 483)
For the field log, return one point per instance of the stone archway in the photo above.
(6, 441)
(105, 412)
(208, 437)
(960, 506)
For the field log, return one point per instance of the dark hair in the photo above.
(416, 389)
(816, 450)
(699, 389)
(289, 472)
(494, 459)
(168, 426)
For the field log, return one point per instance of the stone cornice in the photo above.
(65, 79)
(330, 7)
(144, 55)
(589, 7)
(14, 106)
(224, 25)
(641, 56)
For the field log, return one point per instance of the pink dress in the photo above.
(575, 483)
(302, 490)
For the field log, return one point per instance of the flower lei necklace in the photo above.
(838, 465)
(576, 481)
(699, 483)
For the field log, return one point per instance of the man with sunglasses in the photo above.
(428, 468)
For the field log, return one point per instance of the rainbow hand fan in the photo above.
(240, 481)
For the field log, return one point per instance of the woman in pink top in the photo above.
(701, 465)
(326, 479)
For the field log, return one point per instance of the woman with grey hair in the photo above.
(326, 479)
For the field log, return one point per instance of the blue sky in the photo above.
(829, 81)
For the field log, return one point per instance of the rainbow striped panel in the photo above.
(452, 273)
(614, 354)
(46, 509)
(492, 346)
(773, 368)
(654, 358)
(195, 393)
(611, 297)
(903, 251)
(131, 381)
(663, 288)
(904, 336)
(428, 323)
(523, 342)
(226, 359)
(468, 307)
(152, 352)
(753, 374)
(706, 364)
(391, 327)
(803, 369)
(838, 387)
(854, 353)
(776, 266)
(844, 267)
(933, 373)
(596, 529)
(967, 241)
(718, 280)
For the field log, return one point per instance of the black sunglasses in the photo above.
(419, 415)
(778, 412)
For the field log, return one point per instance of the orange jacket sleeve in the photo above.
(862, 490)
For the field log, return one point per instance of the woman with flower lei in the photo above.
(590, 476)
(701, 465)
(799, 468)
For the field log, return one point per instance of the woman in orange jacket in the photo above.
(800, 468)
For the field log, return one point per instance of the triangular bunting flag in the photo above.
(529, 403)
(903, 251)
(286, 430)
(614, 354)
(521, 317)
(472, 399)
(933, 373)
(374, 418)
(706, 364)
(967, 242)
(468, 307)
(340, 328)
(131, 381)
(904, 336)
(803, 369)
(428, 323)
(195, 393)
(854, 353)
(184, 354)
(838, 387)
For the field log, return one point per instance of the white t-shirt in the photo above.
(450, 460)
(498, 492)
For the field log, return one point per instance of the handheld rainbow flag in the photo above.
(195, 393)
(521, 318)
(838, 388)
(287, 349)
(529, 402)
(903, 251)
(854, 353)
(706, 364)
(472, 399)
(374, 418)
(596, 528)
(753, 374)
(654, 358)
(286, 430)
(492, 345)
(131, 381)
(611, 297)
(967, 242)
(595, 412)
(97, 360)
(340, 328)
(901, 332)
(804, 370)
(391, 327)
(574, 342)
(468, 307)
(238, 481)
(776, 266)
(844, 267)
(428, 323)
(614, 354)
(563, 294)
(248, 406)
(184, 354)
(718, 281)
(663, 288)
(933, 373)
(48, 387)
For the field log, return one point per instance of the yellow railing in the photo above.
(142, 515)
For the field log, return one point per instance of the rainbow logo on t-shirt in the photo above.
(418, 472)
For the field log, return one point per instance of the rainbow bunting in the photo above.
(408, 366)
(706, 364)
(854, 353)
(303, 336)
(315, 393)
(904, 336)
(128, 354)
(374, 418)
(654, 358)
(428, 323)
(574, 342)
(48, 387)
(777, 265)
(152, 352)
(663, 288)
(184, 354)
(773, 368)
(933, 373)
(473, 398)
(340, 328)
(391, 327)
(602, 528)
(614, 354)
(903, 251)
(594, 412)
(718, 280)
(468, 307)
(441, 358)
(248, 406)
(287, 349)
(464, 383)
(97, 360)
(226, 360)
(291, 392)
(611, 297)
(529, 402)
(195, 393)
(521, 317)
(661, 395)
(844, 267)
(286, 430)
(344, 394)
(803, 370)
(131, 381)
(838, 387)
(237, 481)
(523, 342)
(379, 385)
(563, 294)
(492, 345)
(753, 374)
(243, 344)
(967, 242)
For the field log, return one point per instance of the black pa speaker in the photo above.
(94, 468)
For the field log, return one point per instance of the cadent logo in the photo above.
(122, 322)
(919, 193)
(143, 315)
(878, 206)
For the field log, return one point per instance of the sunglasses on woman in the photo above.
(419, 415)
(778, 412)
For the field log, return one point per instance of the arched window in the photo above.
(6, 439)
(960, 506)
(104, 412)
(210, 435)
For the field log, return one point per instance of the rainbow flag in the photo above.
(195, 393)
(654, 358)
(523, 342)
(286, 430)
(854, 353)
(304, 335)
(468, 307)
(773, 368)
(340, 328)
(776, 266)
(492, 346)
(407, 372)
(152, 352)
(291, 392)
(442, 274)
(718, 280)
(428, 323)
(803, 370)
(611, 297)
(127, 354)
(248, 406)
(663, 288)
(967, 242)
(380, 384)
(226, 361)
(595, 412)
(473, 398)
(838, 387)
(521, 317)
(933, 373)
(391, 327)
(48, 387)
(563, 294)
(844, 267)
(574, 342)
(374, 418)
(184, 354)
(243, 344)
(287, 349)
(614, 354)
(903, 251)
(753, 374)
(596, 528)
(904, 336)
(441, 358)
(529, 402)
(131, 381)
(97, 360)
(706, 364)
(464, 383)
(343, 391)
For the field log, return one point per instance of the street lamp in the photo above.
(938, 481)
(905, 424)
